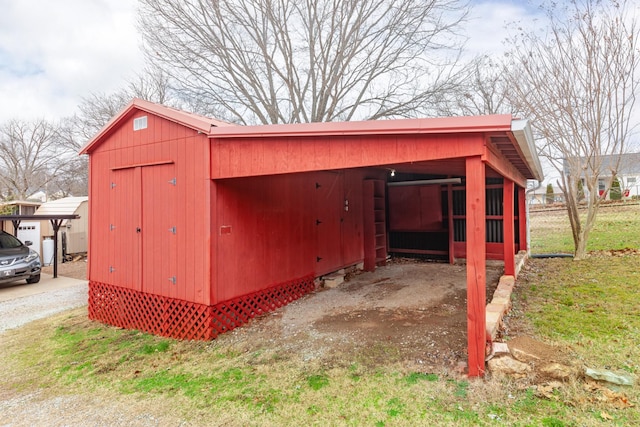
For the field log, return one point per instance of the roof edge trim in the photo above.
(192, 121)
(466, 124)
(523, 134)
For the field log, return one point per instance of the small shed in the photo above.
(197, 225)
(73, 232)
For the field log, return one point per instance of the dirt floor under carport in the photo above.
(411, 312)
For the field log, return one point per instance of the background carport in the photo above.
(56, 221)
(472, 148)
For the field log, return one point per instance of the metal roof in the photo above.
(513, 138)
(372, 127)
(20, 203)
(64, 206)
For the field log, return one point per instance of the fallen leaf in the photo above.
(605, 416)
(546, 390)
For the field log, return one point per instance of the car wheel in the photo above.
(33, 279)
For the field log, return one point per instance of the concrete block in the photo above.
(497, 308)
(502, 293)
(493, 321)
(504, 302)
(505, 287)
(507, 280)
(492, 329)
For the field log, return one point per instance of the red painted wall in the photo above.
(275, 228)
(130, 188)
(415, 208)
(253, 156)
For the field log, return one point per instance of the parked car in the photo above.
(17, 260)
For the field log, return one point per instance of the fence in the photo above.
(617, 227)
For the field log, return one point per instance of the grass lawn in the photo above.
(617, 227)
(588, 308)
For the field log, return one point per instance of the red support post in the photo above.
(476, 264)
(508, 232)
(523, 219)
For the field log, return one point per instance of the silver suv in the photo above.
(17, 261)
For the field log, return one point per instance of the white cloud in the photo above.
(54, 53)
(489, 22)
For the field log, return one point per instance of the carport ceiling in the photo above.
(449, 167)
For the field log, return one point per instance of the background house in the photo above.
(538, 196)
(627, 173)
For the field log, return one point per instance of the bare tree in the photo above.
(72, 178)
(286, 61)
(30, 156)
(482, 91)
(579, 82)
(97, 109)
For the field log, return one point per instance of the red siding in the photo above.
(243, 157)
(415, 208)
(275, 228)
(141, 164)
(352, 227)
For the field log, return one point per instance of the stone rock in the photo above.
(333, 281)
(507, 365)
(528, 350)
(558, 371)
(610, 377)
(500, 348)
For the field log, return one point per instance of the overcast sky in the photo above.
(53, 53)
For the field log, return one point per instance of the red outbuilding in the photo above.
(197, 225)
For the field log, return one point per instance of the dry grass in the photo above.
(588, 308)
(218, 382)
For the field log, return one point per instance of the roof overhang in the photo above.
(521, 130)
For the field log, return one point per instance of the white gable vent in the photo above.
(140, 123)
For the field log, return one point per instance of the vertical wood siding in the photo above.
(141, 164)
(241, 157)
(275, 228)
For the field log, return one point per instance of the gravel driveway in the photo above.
(18, 311)
(21, 304)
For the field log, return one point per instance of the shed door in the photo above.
(159, 231)
(123, 246)
(329, 207)
(142, 244)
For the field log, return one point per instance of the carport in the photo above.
(197, 226)
(460, 181)
(56, 222)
